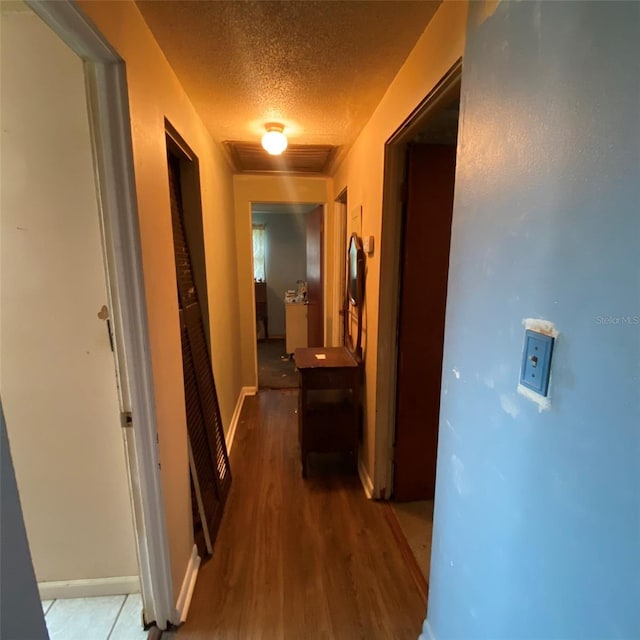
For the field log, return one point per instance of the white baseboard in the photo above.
(365, 479)
(188, 585)
(244, 392)
(120, 585)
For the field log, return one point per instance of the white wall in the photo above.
(58, 380)
(286, 260)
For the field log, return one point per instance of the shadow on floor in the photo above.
(275, 369)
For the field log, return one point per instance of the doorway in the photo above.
(210, 473)
(340, 302)
(62, 390)
(288, 282)
(430, 175)
(420, 174)
(112, 163)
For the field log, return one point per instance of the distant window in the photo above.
(259, 252)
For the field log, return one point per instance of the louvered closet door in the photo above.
(206, 436)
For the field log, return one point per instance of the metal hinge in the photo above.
(126, 420)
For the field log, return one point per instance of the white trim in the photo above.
(231, 433)
(188, 585)
(391, 240)
(121, 585)
(427, 633)
(284, 201)
(252, 289)
(110, 121)
(340, 263)
(110, 125)
(365, 479)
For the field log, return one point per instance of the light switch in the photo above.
(536, 361)
(367, 244)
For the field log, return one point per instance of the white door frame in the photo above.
(390, 272)
(340, 268)
(285, 202)
(113, 158)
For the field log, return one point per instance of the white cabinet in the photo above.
(295, 325)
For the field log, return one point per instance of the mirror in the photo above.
(355, 270)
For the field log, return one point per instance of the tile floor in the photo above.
(100, 618)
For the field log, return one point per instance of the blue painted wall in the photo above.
(21, 616)
(537, 521)
(286, 261)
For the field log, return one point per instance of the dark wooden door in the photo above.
(423, 295)
(211, 474)
(315, 283)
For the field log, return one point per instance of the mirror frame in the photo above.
(355, 271)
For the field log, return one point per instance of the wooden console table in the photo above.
(329, 404)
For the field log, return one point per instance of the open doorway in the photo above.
(288, 282)
(111, 165)
(426, 237)
(340, 301)
(60, 391)
(424, 154)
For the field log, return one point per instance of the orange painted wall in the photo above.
(155, 93)
(362, 171)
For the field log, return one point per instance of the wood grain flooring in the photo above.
(298, 559)
(407, 551)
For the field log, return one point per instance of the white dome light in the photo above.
(274, 141)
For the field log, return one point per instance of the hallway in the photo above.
(298, 559)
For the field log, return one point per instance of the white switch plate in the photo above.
(367, 244)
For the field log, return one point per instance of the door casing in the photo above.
(340, 270)
(249, 242)
(390, 270)
(422, 300)
(113, 161)
(316, 334)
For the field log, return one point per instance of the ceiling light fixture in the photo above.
(274, 141)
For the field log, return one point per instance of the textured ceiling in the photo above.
(319, 67)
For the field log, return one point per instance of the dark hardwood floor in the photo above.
(298, 559)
